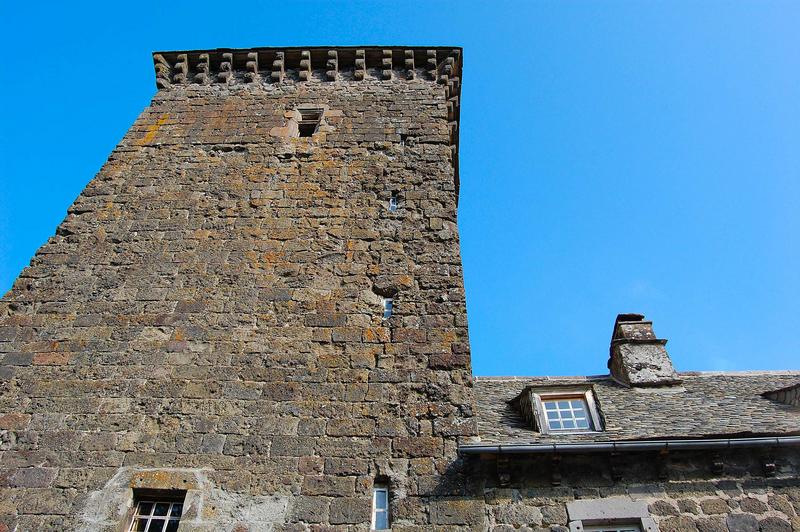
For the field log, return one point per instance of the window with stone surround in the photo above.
(310, 119)
(380, 506)
(614, 528)
(612, 514)
(157, 511)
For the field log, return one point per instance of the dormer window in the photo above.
(560, 409)
(566, 413)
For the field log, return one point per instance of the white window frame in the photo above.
(382, 488)
(538, 397)
(151, 518)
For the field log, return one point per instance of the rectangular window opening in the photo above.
(380, 506)
(614, 528)
(388, 307)
(309, 121)
(393, 202)
(562, 411)
(157, 510)
(567, 414)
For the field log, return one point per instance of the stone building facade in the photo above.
(254, 318)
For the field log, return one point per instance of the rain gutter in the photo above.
(629, 446)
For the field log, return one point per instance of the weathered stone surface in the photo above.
(457, 511)
(519, 515)
(714, 506)
(211, 302)
(742, 523)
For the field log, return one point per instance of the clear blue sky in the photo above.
(639, 156)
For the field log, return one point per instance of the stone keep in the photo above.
(209, 315)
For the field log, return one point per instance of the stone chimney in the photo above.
(637, 357)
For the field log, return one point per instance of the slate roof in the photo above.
(705, 404)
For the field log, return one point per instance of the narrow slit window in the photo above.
(388, 307)
(394, 202)
(309, 121)
(380, 507)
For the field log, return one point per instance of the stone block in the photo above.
(329, 486)
(742, 523)
(33, 477)
(457, 511)
(350, 510)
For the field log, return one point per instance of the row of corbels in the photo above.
(446, 74)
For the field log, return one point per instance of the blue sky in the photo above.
(616, 156)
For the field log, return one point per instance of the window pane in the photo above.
(140, 525)
(156, 525)
(563, 405)
(550, 405)
(555, 425)
(381, 502)
(145, 508)
(177, 510)
(552, 415)
(582, 423)
(381, 520)
(162, 508)
(569, 424)
(172, 526)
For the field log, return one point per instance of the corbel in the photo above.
(431, 64)
(278, 67)
(305, 65)
(361, 65)
(503, 470)
(452, 104)
(386, 65)
(163, 71)
(226, 68)
(662, 465)
(251, 67)
(452, 88)
(181, 69)
(615, 466)
(768, 464)
(448, 68)
(409, 64)
(717, 463)
(555, 470)
(332, 65)
(203, 67)
(453, 127)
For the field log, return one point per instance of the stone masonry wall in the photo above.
(208, 317)
(684, 494)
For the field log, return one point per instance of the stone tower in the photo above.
(255, 308)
